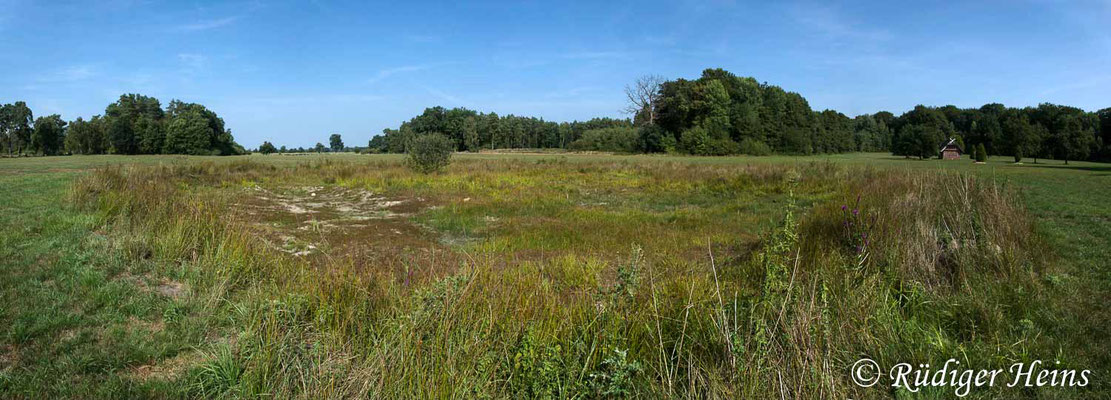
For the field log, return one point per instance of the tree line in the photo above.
(335, 144)
(1046, 131)
(721, 113)
(134, 124)
(470, 130)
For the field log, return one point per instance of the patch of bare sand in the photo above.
(338, 223)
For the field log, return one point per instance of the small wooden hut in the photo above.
(951, 151)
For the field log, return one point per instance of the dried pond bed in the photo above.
(335, 222)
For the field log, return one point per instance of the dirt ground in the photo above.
(321, 223)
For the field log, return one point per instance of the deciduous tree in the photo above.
(189, 132)
(642, 97)
(335, 142)
(267, 148)
(48, 135)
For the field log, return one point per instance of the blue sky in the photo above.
(293, 72)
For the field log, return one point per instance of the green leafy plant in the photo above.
(615, 379)
(430, 153)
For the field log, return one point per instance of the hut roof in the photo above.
(951, 142)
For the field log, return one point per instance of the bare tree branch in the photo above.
(643, 95)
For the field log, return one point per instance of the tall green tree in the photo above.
(189, 132)
(16, 120)
(1073, 140)
(267, 148)
(922, 132)
(220, 138)
(1021, 136)
(921, 140)
(1104, 122)
(150, 135)
(5, 127)
(471, 141)
(335, 142)
(48, 135)
(133, 124)
(86, 137)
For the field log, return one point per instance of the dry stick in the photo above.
(782, 396)
(721, 307)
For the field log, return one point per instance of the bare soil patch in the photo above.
(165, 370)
(319, 223)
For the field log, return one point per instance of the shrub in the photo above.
(694, 141)
(267, 148)
(621, 140)
(981, 155)
(430, 153)
(754, 147)
(653, 139)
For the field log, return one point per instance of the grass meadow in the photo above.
(544, 275)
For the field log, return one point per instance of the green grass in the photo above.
(535, 284)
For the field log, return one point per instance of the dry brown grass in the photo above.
(951, 264)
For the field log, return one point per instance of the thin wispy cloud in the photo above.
(192, 62)
(386, 73)
(67, 74)
(828, 22)
(207, 25)
(451, 99)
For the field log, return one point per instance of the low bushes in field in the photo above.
(430, 153)
(893, 266)
(620, 139)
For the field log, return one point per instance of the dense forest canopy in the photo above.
(720, 113)
(134, 124)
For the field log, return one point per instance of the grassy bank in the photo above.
(562, 276)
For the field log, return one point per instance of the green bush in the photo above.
(695, 141)
(981, 154)
(698, 141)
(653, 139)
(620, 140)
(430, 153)
(754, 147)
(267, 148)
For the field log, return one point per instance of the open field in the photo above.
(553, 275)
